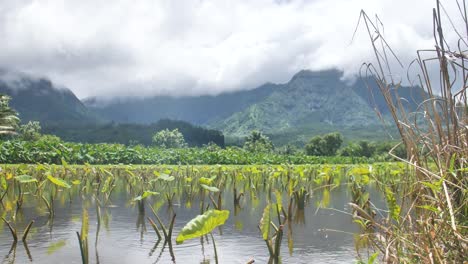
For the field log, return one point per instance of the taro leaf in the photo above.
(209, 188)
(360, 171)
(165, 177)
(59, 182)
(144, 195)
(25, 179)
(56, 246)
(76, 182)
(265, 223)
(202, 225)
(204, 180)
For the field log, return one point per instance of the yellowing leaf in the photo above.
(265, 222)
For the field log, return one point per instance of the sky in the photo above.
(192, 47)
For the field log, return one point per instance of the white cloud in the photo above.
(127, 47)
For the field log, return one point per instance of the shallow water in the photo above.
(320, 235)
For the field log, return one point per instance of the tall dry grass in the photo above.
(431, 214)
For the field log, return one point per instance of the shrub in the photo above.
(258, 142)
(325, 145)
(169, 139)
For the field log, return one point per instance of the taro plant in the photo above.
(202, 225)
(273, 241)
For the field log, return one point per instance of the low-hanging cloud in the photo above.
(192, 47)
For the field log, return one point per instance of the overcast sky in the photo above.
(126, 47)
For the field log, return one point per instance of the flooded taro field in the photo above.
(151, 214)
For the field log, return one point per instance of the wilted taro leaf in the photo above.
(202, 225)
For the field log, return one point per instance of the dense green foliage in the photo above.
(50, 149)
(169, 139)
(129, 134)
(368, 149)
(257, 142)
(326, 145)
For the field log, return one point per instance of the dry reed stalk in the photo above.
(432, 225)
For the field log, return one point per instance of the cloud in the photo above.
(192, 47)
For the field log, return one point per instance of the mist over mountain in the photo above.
(38, 99)
(200, 110)
(310, 103)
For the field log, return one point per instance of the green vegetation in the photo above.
(257, 142)
(131, 134)
(30, 131)
(169, 139)
(326, 145)
(51, 150)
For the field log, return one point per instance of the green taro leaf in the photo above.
(25, 179)
(209, 188)
(202, 225)
(58, 181)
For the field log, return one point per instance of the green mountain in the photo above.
(319, 99)
(38, 99)
(310, 103)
